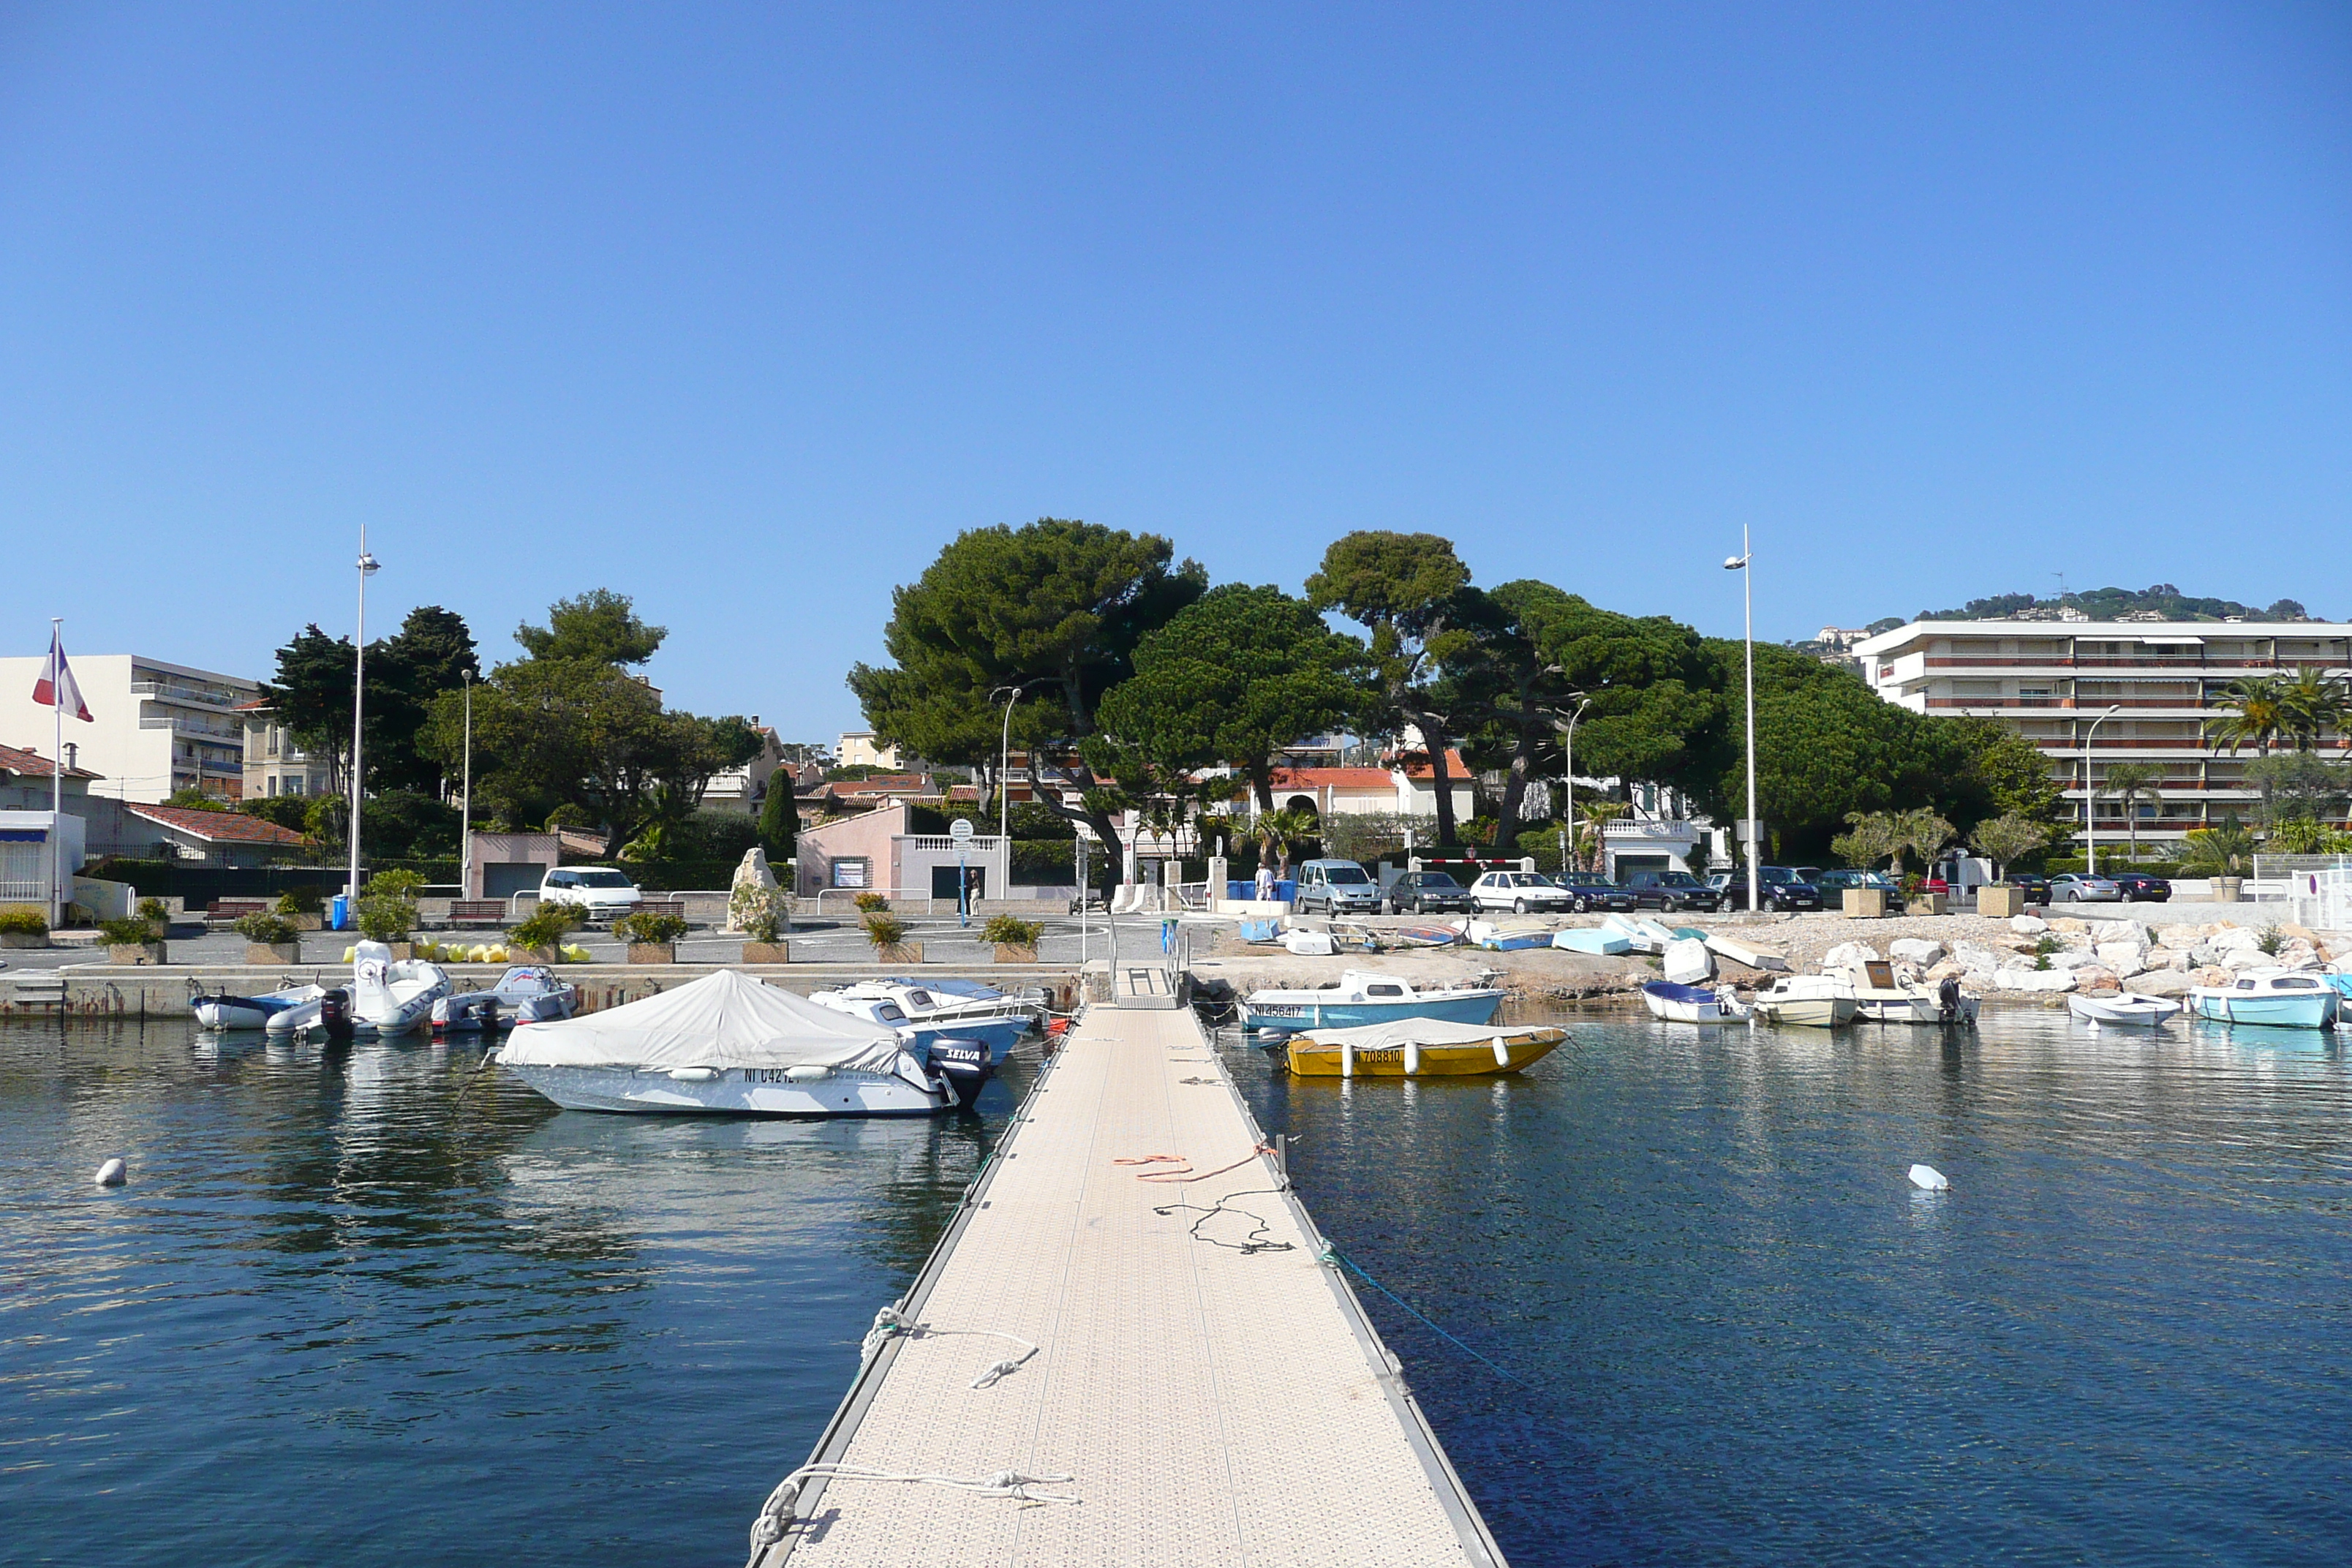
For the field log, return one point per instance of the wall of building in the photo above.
(155, 727)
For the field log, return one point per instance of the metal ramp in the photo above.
(1148, 985)
(1151, 970)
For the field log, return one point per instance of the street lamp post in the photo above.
(1568, 782)
(2091, 794)
(466, 795)
(367, 567)
(1012, 695)
(1740, 563)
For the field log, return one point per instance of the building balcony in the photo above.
(184, 696)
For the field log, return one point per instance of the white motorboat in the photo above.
(996, 1035)
(1880, 998)
(222, 1011)
(952, 1001)
(1812, 1001)
(1368, 996)
(527, 993)
(2282, 997)
(730, 1043)
(1693, 1003)
(392, 996)
(2130, 1010)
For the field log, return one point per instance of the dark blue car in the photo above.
(1589, 890)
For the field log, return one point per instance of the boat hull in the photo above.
(1289, 1016)
(2312, 1010)
(1597, 940)
(1521, 1048)
(734, 1091)
(2124, 1012)
(1666, 1004)
(1808, 1012)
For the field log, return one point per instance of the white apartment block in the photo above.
(155, 728)
(2050, 680)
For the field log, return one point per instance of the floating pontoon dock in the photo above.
(1208, 1406)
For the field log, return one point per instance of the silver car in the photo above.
(2081, 887)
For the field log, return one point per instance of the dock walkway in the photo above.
(1209, 1406)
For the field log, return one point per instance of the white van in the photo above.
(600, 894)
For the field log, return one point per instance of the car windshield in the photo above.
(1674, 879)
(1346, 874)
(1437, 880)
(604, 879)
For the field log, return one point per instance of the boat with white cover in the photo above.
(223, 1011)
(527, 993)
(392, 996)
(1420, 1048)
(2128, 1010)
(1811, 1001)
(1693, 1003)
(1367, 996)
(731, 1044)
(2279, 997)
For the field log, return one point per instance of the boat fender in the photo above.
(1502, 1052)
(1929, 1179)
(1348, 1058)
(693, 1075)
(113, 1174)
(1413, 1058)
(808, 1072)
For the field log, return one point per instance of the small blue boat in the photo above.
(2278, 998)
(1598, 940)
(1365, 996)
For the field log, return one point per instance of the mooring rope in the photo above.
(1331, 1254)
(1254, 1242)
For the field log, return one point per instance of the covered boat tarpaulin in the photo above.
(723, 1020)
(1402, 1032)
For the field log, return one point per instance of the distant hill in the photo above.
(2163, 602)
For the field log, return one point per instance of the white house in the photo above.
(743, 789)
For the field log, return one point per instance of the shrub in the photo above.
(2271, 940)
(884, 929)
(154, 911)
(392, 884)
(128, 931)
(761, 913)
(301, 901)
(2043, 949)
(651, 929)
(24, 920)
(871, 903)
(269, 931)
(545, 926)
(386, 916)
(1012, 930)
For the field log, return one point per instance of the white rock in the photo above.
(1975, 957)
(2034, 980)
(2074, 958)
(2238, 938)
(1916, 950)
(2028, 925)
(2123, 957)
(1848, 953)
(2248, 958)
(2161, 983)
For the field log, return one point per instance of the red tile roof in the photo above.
(1333, 778)
(1456, 772)
(216, 827)
(16, 760)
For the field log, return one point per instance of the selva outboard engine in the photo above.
(964, 1066)
(335, 1013)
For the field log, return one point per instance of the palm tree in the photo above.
(2309, 704)
(1282, 831)
(1598, 815)
(2132, 783)
(2257, 717)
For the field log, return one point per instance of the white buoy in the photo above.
(1930, 1178)
(113, 1174)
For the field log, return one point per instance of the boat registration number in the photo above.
(765, 1074)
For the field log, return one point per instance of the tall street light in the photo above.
(1754, 832)
(465, 853)
(1012, 694)
(367, 566)
(1568, 779)
(2091, 794)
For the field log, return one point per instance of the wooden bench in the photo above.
(228, 911)
(478, 913)
(662, 907)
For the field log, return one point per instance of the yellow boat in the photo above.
(1420, 1048)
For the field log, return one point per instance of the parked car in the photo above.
(2082, 887)
(1777, 887)
(1590, 891)
(2035, 887)
(2140, 888)
(1670, 891)
(1833, 884)
(1427, 893)
(1521, 892)
(601, 895)
(1337, 888)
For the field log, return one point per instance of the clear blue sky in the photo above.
(746, 310)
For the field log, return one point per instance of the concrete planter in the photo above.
(1016, 952)
(900, 952)
(518, 953)
(2000, 901)
(273, 952)
(1865, 903)
(653, 953)
(22, 938)
(777, 952)
(2227, 890)
(306, 923)
(137, 954)
(1928, 904)
(401, 950)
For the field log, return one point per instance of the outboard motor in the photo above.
(335, 1013)
(963, 1066)
(1948, 998)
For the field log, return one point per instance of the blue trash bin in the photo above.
(338, 912)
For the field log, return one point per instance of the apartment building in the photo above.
(155, 728)
(2051, 682)
(274, 765)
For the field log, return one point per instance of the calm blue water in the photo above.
(1740, 1336)
(366, 1307)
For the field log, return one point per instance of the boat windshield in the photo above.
(604, 879)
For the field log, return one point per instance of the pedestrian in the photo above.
(1264, 887)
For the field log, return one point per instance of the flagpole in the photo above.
(359, 700)
(56, 767)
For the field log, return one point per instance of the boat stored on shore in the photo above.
(731, 1044)
(1420, 1047)
(1363, 997)
(1724, 945)
(2279, 997)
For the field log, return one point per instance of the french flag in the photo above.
(57, 688)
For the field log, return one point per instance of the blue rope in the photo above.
(1331, 1253)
